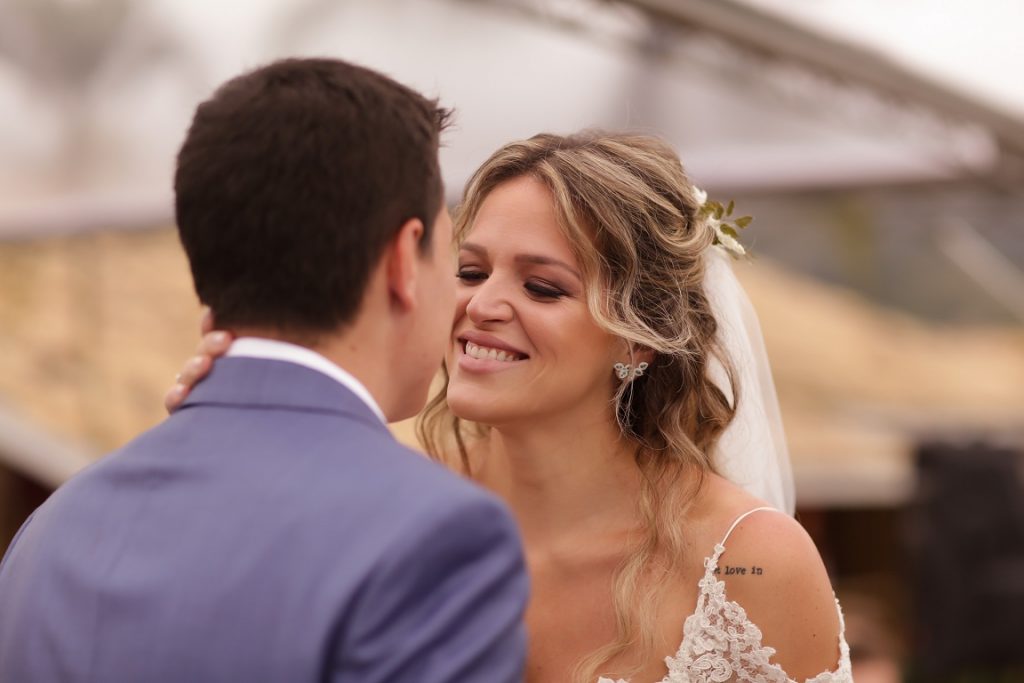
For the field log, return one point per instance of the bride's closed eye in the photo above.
(470, 275)
(537, 289)
(543, 290)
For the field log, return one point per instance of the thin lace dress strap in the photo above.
(740, 519)
(720, 643)
(711, 562)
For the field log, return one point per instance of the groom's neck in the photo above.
(364, 353)
(357, 348)
(309, 340)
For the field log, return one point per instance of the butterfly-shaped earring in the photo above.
(626, 371)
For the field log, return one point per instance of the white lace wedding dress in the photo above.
(721, 645)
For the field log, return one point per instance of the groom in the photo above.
(272, 529)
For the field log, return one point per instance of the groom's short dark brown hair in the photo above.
(291, 181)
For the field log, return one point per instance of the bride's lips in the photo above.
(471, 339)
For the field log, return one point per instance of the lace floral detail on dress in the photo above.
(720, 645)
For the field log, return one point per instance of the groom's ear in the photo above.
(402, 261)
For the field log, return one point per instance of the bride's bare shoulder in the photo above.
(773, 570)
(718, 503)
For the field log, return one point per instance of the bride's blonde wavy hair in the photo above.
(631, 216)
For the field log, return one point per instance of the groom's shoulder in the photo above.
(396, 504)
(402, 477)
(350, 467)
(342, 475)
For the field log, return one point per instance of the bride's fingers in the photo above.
(207, 323)
(214, 344)
(174, 397)
(195, 369)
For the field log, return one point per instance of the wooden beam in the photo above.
(37, 454)
(774, 36)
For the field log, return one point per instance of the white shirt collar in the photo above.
(271, 349)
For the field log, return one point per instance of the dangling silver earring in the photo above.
(626, 371)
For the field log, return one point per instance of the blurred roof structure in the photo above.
(776, 37)
(95, 326)
(94, 321)
(37, 453)
(861, 385)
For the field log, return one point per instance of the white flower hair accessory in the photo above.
(719, 219)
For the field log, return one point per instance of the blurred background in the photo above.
(878, 143)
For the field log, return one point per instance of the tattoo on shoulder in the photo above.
(729, 570)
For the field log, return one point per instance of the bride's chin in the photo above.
(473, 410)
(467, 413)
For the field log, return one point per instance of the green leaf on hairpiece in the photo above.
(732, 205)
(730, 232)
(744, 221)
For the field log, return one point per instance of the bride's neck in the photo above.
(561, 481)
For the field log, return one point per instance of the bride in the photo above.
(605, 378)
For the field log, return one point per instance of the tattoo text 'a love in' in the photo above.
(729, 570)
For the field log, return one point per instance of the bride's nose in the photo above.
(490, 302)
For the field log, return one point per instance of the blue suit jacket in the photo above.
(270, 530)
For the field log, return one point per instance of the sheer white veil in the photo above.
(752, 452)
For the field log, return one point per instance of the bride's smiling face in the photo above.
(524, 345)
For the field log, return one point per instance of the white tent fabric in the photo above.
(974, 47)
(511, 68)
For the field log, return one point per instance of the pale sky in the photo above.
(974, 44)
(506, 79)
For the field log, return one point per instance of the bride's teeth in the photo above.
(485, 353)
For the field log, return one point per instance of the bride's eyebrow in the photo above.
(474, 248)
(539, 260)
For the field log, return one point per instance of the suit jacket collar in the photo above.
(258, 382)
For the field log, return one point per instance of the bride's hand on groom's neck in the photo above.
(214, 344)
